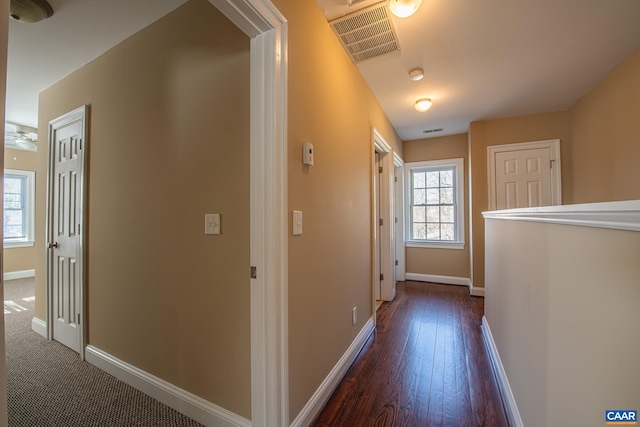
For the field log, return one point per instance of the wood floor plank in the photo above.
(425, 365)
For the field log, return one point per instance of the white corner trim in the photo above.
(253, 17)
(39, 326)
(397, 160)
(511, 408)
(475, 291)
(323, 393)
(623, 215)
(445, 280)
(22, 274)
(267, 28)
(181, 400)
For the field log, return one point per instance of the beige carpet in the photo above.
(48, 385)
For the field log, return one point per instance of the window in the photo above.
(435, 211)
(18, 207)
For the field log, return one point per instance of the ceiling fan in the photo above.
(21, 137)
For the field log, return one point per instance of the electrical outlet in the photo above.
(354, 315)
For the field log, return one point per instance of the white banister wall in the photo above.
(562, 310)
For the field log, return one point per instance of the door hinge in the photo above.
(78, 318)
(396, 220)
(396, 262)
(254, 272)
(381, 222)
(380, 169)
(381, 276)
(551, 163)
(395, 179)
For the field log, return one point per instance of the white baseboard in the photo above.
(475, 291)
(39, 326)
(447, 280)
(181, 400)
(22, 274)
(323, 393)
(509, 401)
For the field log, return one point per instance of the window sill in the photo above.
(21, 244)
(434, 245)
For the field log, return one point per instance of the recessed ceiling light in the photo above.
(416, 74)
(423, 104)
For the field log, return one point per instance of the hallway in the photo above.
(425, 365)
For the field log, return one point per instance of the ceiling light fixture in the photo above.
(30, 10)
(404, 8)
(416, 74)
(423, 104)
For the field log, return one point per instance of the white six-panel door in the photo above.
(65, 229)
(524, 175)
(523, 178)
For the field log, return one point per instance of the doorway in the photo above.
(524, 175)
(65, 229)
(398, 209)
(384, 285)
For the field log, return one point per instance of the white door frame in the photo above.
(385, 262)
(398, 208)
(556, 170)
(79, 114)
(267, 28)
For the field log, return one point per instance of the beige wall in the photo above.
(168, 142)
(598, 139)
(536, 127)
(4, 31)
(442, 262)
(605, 133)
(20, 259)
(563, 313)
(330, 265)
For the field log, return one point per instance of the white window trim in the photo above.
(30, 199)
(459, 243)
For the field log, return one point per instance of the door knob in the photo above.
(53, 245)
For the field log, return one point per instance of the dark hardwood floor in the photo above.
(425, 365)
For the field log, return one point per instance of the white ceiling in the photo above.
(482, 59)
(496, 58)
(43, 53)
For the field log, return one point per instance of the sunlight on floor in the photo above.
(11, 306)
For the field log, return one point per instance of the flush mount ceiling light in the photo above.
(404, 8)
(416, 74)
(30, 10)
(423, 104)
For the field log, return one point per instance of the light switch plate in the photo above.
(297, 223)
(212, 224)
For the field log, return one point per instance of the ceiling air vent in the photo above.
(433, 130)
(367, 33)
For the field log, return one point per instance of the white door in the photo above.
(377, 279)
(523, 179)
(524, 175)
(67, 146)
(400, 274)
